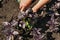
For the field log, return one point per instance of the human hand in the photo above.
(24, 4)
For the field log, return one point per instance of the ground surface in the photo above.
(9, 9)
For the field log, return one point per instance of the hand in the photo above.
(24, 4)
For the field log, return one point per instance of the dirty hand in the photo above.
(24, 4)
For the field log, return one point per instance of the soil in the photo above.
(9, 8)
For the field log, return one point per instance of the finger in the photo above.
(22, 8)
